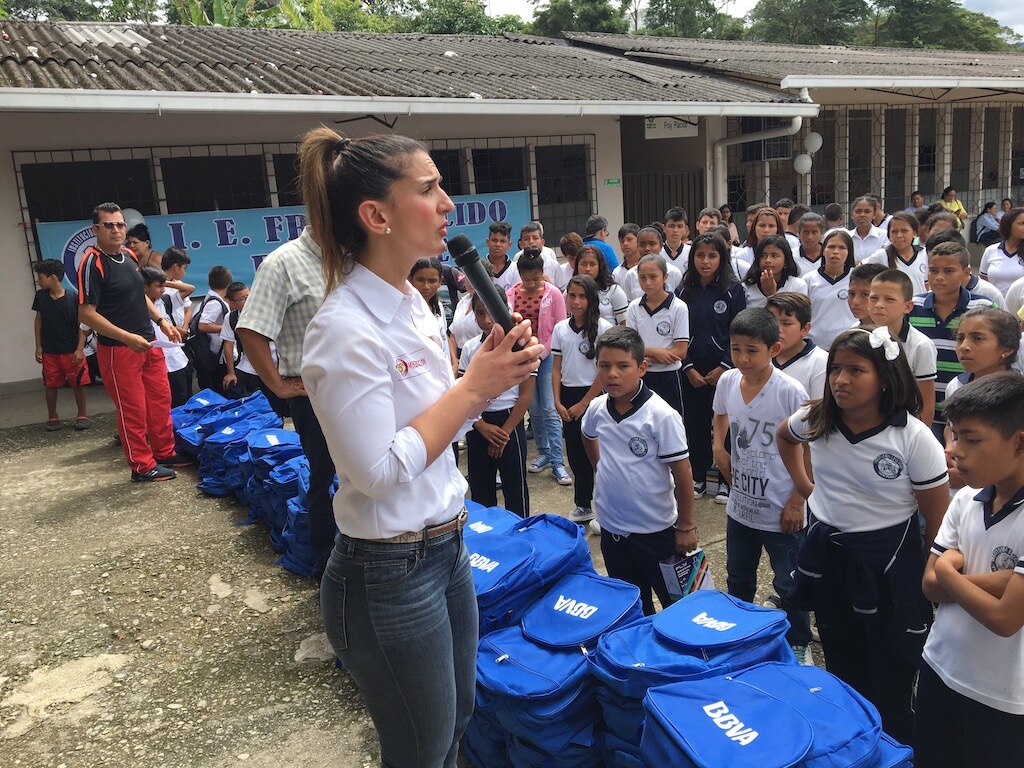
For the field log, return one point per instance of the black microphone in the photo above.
(468, 260)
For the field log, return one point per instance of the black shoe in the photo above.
(177, 460)
(154, 475)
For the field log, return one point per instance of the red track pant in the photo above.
(137, 383)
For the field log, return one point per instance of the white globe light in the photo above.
(132, 217)
(813, 142)
(802, 164)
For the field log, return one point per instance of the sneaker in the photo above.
(538, 465)
(83, 422)
(154, 475)
(773, 601)
(581, 515)
(595, 527)
(52, 425)
(803, 654)
(814, 634)
(497, 480)
(563, 477)
(177, 460)
(722, 497)
(699, 489)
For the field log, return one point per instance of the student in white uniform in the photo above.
(1003, 263)
(828, 289)
(650, 240)
(890, 301)
(174, 262)
(867, 238)
(764, 222)
(663, 322)
(612, 299)
(676, 229)
(574, 381)
(738, 266)
(644, 486)
(875, 467)
(799, 357)
(764, 510)
(970, 692)
(503, 268)
(630, 250)
(179, 376)
(808, 254)
(212, 311)
(569, 245)
(901, 253)
(531, 235)
(772, 270)
(390, 408)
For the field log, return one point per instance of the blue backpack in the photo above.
(722, 721)
(533, 677)
(892, 754)
(635, 658)
(501, 565)
(488, 520)
(559, 547)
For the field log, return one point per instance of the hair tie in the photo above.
(880, 339)
(340, 146)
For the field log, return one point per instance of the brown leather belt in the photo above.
(430, 532)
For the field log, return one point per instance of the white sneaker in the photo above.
(803, 654)
(581, 515)
(722, 497)
(595, 527)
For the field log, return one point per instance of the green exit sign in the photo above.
(613, 182)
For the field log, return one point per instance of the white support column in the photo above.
(843, 157)
(913, 148)
(1005, 148)
(878, 150)
(943, 146)
(976, 157)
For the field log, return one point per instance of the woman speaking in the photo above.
(397, 595)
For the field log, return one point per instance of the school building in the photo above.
(175, 120)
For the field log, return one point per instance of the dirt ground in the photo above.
(143, 625)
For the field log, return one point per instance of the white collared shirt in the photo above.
(863, 247)
(372, 362)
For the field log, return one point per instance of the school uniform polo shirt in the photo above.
(756, 298)
(920, 352)
(972, 660)
(678, 257)
(916, 269)
(1001, 268)
(942, 332)
(760, 483)
(633, 487)
(571, 344)
(113, 285)
(980, 287)
(866, 481)
(804, 264)
(867, 245)
(809, 366)
(662, 326)
(506, 400)
(830, 311)
(507, 276)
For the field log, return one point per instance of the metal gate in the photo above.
(646, 196)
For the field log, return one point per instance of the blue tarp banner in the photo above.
(241, 239)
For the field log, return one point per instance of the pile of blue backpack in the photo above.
(570, 673)
(243, 451)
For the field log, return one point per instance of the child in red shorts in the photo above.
(60, 342)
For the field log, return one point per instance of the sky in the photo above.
(1006, 11)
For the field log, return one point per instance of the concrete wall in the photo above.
(26, 132)
(641, 155)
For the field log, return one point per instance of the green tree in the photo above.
(145, 11)
(54, 10)
(462, 17)
(939, 24)
(680, 18)
(557, 16)
(808, 22)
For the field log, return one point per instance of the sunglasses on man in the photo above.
(112, 225)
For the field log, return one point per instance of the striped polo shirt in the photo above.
(942, 332)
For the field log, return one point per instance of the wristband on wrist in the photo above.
(687, 530)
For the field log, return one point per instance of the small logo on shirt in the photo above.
(720, 307)
(843, 294)
(584, 347)
(1003, 559)
(638, 446)
(606, 300)
(888, 467)
(410, 365)
(664, 328)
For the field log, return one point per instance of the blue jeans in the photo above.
(742, 554)
(402, 618)
(546, 423)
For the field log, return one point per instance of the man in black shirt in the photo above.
(112, 301)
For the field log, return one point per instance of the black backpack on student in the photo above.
(197, 343)
(233, 322)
